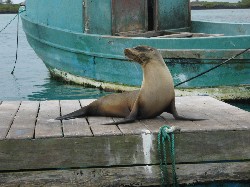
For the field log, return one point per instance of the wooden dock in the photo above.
(37, 150)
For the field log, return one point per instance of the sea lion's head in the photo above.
(142, 54)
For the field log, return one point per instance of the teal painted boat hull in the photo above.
(96, 60)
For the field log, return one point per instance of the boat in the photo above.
(82, 41)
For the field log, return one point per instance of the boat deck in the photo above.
(35, 149)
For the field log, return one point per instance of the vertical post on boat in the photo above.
(86, 16)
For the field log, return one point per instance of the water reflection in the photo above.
(54, 90)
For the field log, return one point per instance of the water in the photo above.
(239, 16)
(224, 15)
(32, 80)
(245, 105)
(221, 184)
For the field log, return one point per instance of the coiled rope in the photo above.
(167, 133)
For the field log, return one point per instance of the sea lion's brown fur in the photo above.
(155, 96)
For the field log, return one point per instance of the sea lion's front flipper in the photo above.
(130, 118)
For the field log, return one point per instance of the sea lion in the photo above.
(155, 96)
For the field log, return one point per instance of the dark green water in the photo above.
(240, 104)
(224, 184)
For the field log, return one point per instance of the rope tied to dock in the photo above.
(167, 133)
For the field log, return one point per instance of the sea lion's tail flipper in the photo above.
(78, 113)
(174, 112)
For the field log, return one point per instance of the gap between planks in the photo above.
(8, 111)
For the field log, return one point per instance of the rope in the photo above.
(17, 44)
(11, 21)
(233, 57)
(8, 23)
(17, 39)
(167, 133)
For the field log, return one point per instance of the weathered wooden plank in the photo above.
(193, 110)
(188, 34)
(147, 34)
(236, 116)
(179, 35)
(8, 110)
(211, 172)
(74, 127)
(206, 35)
(96, 124)
(190, 109)
(103, 130)
(24, 123)
(184, 126)
(132, 128)
(229, 117)
(155, 124)
(129, 176)
(191, 147)
(165, 34)
(46, 125)
(71, 152)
